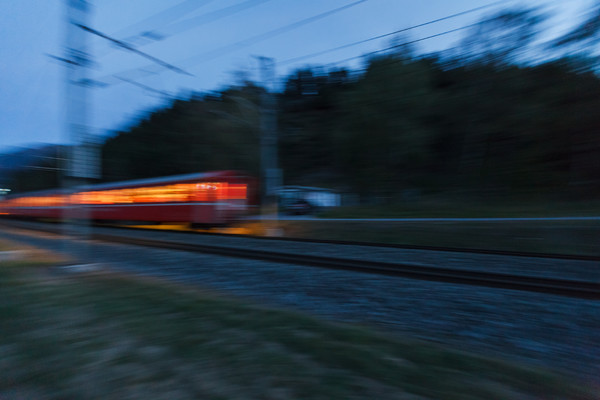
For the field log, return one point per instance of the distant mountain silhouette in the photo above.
(20, 159)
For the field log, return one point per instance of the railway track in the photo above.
(559, 256)
(563, 287)
(469, 250)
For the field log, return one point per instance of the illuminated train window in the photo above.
(176, 193)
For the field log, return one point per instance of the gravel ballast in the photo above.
(552, 331)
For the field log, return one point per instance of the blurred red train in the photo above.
(212, 198)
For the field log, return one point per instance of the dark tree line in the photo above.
(487, 117)
(211, 132)
(480, 119)
(405, 123)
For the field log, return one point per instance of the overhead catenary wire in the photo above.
(194, 22)
(345, 46)
(146, 87)
(267, 35)
(162, 18)
(153, 35)
(132, 49)
(148, 70)
(283, 80)
(141, 31)
(173, 27)
(398, 45)
(132, 82)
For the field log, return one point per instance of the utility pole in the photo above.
(271, 174)
(82, 162)
(82, 152)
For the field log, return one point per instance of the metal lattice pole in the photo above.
(81, 162)
(271, 174)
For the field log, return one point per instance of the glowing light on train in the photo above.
(183, 192)
(209, 198)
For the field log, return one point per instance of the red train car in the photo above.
(212, 198)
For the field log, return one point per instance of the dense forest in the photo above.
(405, 123)
(489, 117)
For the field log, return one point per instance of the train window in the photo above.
(181, 192)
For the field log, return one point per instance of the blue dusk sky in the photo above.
(206, 39)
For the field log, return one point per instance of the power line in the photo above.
(216, 53)
(145, 87)
(165, 17)
(284, 80)
(63, 60)
(472, 10)
(194, 22)
(268, 35)
(174, 28)
(147, 71)
(405, 43)
(409, 42)
(133, 50)
(184, 25)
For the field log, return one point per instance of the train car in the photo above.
(212, 198)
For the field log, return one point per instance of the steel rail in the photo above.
(562, 287)
(514, 253)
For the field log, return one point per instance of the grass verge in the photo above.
(468, 208)
(102, 335)
(559, 237)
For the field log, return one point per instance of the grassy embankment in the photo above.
(576, 237)
(469, 208)
(101, 335)
(559, 237)
(566, 237)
